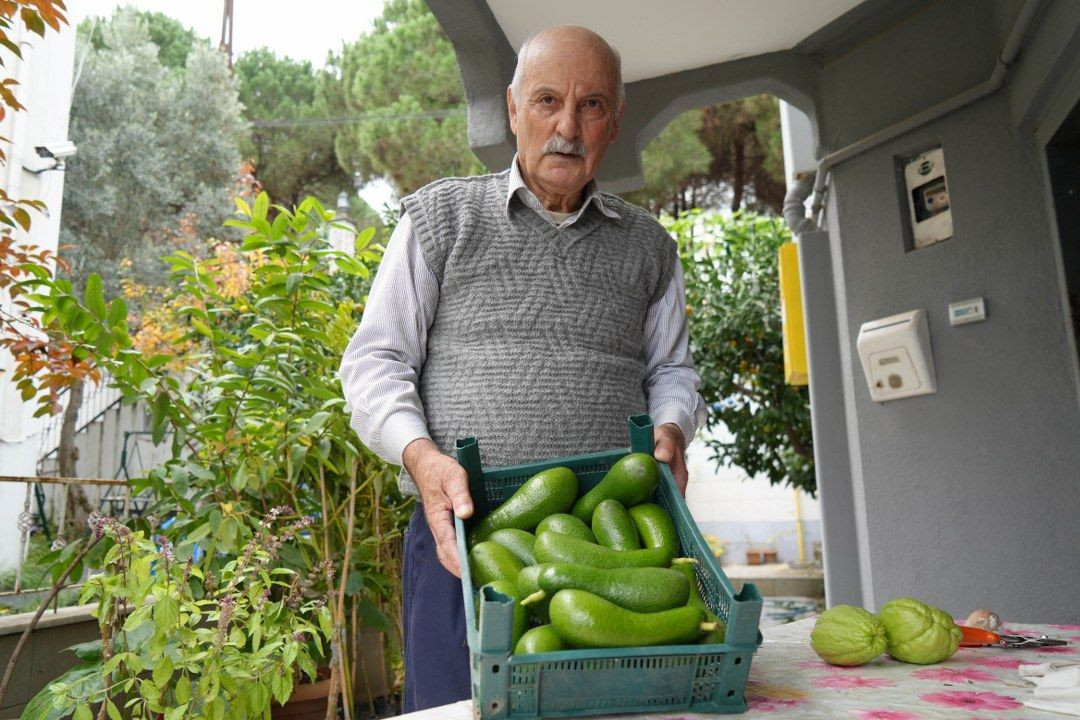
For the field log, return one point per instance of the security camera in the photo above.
(57, 150)
(49, 156)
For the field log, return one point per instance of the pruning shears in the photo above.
(977, 637)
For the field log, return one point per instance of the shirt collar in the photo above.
(516, 185)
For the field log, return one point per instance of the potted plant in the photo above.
(171, 654)
(259, 434)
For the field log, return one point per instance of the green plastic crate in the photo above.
(570, 683)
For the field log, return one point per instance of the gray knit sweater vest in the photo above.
(537, 348)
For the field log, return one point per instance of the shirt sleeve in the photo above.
(671, 382)
(381, 366)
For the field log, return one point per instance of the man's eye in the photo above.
(546, 99)
(594, 104)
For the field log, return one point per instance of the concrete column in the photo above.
(840, 545)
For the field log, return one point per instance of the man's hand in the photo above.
(669, 448)
(444, 492)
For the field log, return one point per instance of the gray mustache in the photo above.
(559, 144)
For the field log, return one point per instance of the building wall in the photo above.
(44, 74)
(971, 494)
(747, 512)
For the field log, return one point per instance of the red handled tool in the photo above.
(977, 637)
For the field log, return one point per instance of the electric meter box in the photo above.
(927, 194)
(896, 356)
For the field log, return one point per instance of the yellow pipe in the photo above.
(791, 312)
(799, 529)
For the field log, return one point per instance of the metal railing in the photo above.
(45, 502)
(97, 400)
(28, 519)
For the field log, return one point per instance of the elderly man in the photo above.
(525, 308)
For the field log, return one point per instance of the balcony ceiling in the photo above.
(667, 37)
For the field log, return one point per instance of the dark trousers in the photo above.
(436, 653)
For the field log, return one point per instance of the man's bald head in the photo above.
(554, 39)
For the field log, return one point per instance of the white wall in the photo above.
(744, 511)
(797, 135)
(44, 74)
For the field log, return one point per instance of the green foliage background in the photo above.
(257, 420)
(404, 66)
(291, 161)
(733, 299)
(158, 151)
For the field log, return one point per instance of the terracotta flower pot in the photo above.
(308, 700)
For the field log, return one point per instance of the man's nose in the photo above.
(569, 123)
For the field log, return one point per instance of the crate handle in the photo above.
(468, 456)
(496, 621)
(496, 645)
(744, 614)
(641, 434)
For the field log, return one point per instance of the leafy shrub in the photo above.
(733, 299)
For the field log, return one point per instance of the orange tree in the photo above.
(733, 298)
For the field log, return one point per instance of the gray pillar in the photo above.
(832, 463)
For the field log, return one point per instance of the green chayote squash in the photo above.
(847, 635)
(917, 632)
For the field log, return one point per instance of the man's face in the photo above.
(566, 114)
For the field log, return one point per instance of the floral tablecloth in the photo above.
(787, 680)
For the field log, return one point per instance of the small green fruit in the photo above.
(919, 633)
(847, 635)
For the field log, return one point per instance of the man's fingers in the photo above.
(678, 469)
(664, 449)
(669, 449)
(457, 489)
(449, 560)
(442, 530)
(681, 476)
(442, 527)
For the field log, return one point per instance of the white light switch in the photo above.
(896, 356)
(967, 311)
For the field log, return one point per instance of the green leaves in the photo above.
(733, 302)
(160, 148)
(116, 317)
(258, 420)
(183, 690)
(64, 695)
(290, 161)
(95, 300)
(404, 67)
(371, 616)
(166, 612)
(262, 205)
(176, 713)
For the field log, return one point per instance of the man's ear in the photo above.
(511, 108)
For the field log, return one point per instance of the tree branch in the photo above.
(797, 443)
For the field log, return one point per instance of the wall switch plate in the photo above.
(896, 356)
(967, 311)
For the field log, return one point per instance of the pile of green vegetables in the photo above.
(599, 570)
